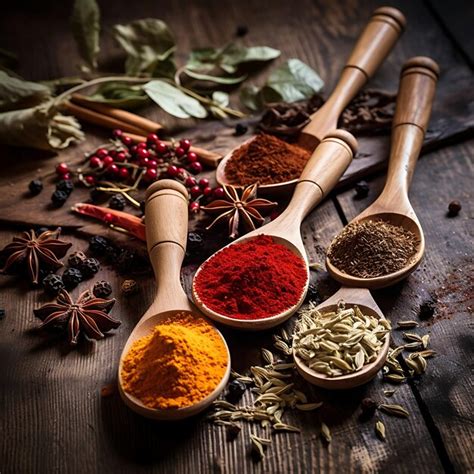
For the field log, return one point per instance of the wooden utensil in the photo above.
(362, 298)
(415, 96)
(376, 41)
(166, 217)
(321, 173)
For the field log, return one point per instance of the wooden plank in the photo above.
(445, 275)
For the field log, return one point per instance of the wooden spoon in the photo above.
(415, 96)
(166, 232)
(363, 299)
(376, 41)
(320, 175)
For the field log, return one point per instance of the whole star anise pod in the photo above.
(88, 314)
(237, 208)
(34, 252)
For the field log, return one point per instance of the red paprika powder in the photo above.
(256, 279)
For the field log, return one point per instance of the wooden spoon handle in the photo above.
(374, 44)
(321, 173)
(166, 219)
(415, 97)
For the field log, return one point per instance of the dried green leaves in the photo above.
(291, 82)
(16, 93)
(149, 45)
(85, 23)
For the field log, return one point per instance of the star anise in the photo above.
(34, 252)
(88, 314)
(239, 208)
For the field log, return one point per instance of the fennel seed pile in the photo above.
(372, 248)
(340, 342)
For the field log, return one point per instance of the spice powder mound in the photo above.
(179, 364)
(372, 248)
(255, 279)
(265, 160)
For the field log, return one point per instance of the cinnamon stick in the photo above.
(102, 120)
(133, 119)
(207, 157)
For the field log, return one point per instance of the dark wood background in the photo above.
(53, 418)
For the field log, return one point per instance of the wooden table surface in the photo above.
(53, 418)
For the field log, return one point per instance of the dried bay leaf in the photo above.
(216, 79)
(147, 42)
(16, 93)
(85, 23)
(40, 127)
(173, 100)
(119, 94)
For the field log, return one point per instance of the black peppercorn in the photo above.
(361, 189)
(76, 258)
(98, 244)
(241, 31)
(90, 267)
(117, 202)
(240, 129)
(72, 277)
(454, 208)
(59, 198)
(66, 186)
(102, 289)
(368, 407)
(53, 284)
(427, 309)
(235, 390)
(35, 187)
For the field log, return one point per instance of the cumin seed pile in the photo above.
(372, 248)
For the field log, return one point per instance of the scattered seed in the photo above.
(395, 410)
(407, 324)
(325, 432)
(380, 430)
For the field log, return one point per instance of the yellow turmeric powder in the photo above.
(179, 364)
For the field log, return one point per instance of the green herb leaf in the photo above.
(118, 94)
(229, 57)
(291, 82)
(216, 79)
(85, 22)
(16, 93)
(249, 96)
(147, 42)
(39, 127)
(173, 100)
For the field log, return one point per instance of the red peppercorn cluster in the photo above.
(200, 191)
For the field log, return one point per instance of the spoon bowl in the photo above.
(166, 231)
(321, 173)
(358, 297)
(373, 45)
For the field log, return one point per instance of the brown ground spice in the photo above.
(372, 248)
(265, 160)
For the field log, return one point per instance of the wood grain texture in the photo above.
(53, 418)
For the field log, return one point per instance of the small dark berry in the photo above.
(241, 31)
(117, 202)
(102, 289)
(235, 390)
(427, 309)
(53, 283)
(368, 407)
(35, 187)
(98, 244)
(59, 198)
(76, 259)
(96, 195)
(112, 252)
(90, 267)
(66, 186)
(361, 189)
(454, 208)
(240, 129)
(72, 277)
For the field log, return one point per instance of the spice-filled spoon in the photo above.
(273, 276)
(415, 96)
(391, 215)
(166, 217)
(376, 41)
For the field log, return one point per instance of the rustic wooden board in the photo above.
(445, 275)
(53, 416)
